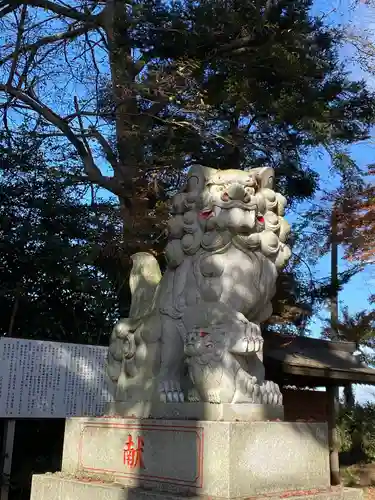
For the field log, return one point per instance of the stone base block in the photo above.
(54, 487)
(226, 460)
(197, 411)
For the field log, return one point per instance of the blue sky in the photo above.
(356, 292)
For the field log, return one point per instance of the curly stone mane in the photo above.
(227, 241)
(219, 208)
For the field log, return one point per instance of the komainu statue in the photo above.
(194, 332)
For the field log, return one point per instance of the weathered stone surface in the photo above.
(244, 412)
(227, 242)
(218, 459)
(54, 487)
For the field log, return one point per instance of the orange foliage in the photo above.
(356, 223)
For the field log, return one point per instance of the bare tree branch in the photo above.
(20, 30)
(6, 9)
(110, 155)
(84, 140)
(91, 169)
(33, 47)
(9, 6)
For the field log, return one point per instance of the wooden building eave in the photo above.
(304, 361)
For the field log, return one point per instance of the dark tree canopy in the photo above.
(125, 98)
(51, 286)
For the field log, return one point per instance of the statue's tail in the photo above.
(144, 279)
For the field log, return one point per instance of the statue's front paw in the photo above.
(253, 329)
(271, 394)
(193, 396)
(256, 394)
(247, 345)
(214, 397)
(255, 344)
(170, 392)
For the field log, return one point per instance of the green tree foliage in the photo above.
(239, 83)
(51, 247)
(356, 429)
(132, 95)
(328, 221)
(358, 328)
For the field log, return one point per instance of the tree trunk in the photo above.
(334, 277)
(349, 398)
(14, 313)
(237, 138)
(333, 392)
(122, 76)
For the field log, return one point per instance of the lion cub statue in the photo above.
(223, 351)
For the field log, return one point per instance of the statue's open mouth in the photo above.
(214, 209)
(207, 213)
(231, 215)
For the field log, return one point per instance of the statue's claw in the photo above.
(271, 394)
(255, 344)
(248, 345)
(193, 395)
(256, 394)
(170, 392)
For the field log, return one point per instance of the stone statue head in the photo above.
(221, 207)
(205, 345)
(211, 328)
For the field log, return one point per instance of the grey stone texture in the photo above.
(55, 487)
(243, 412)
(227, 242)
(215, 459)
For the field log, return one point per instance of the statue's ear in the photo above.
(265, 176)
(197, 177)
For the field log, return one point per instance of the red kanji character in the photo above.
(133, 457)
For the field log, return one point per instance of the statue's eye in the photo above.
(209, 345)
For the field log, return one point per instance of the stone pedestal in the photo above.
(143, 459)
(217, 459)
(242, 412)
(56, 487)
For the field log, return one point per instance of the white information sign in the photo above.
(51, 379)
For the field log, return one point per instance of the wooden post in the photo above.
(333, 391)
(333, 402)
(9, 433)
(6, 462)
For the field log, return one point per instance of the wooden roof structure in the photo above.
(304, 361)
